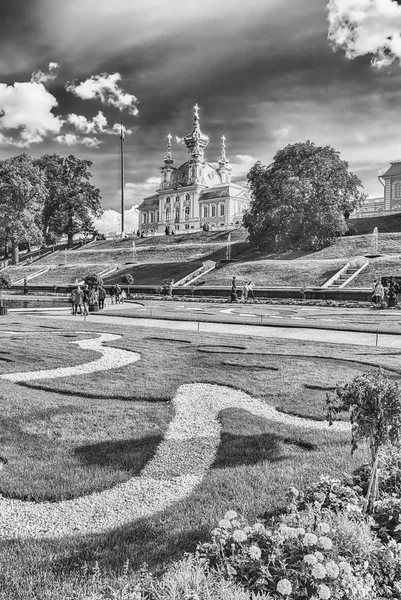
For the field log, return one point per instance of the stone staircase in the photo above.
(344, 276)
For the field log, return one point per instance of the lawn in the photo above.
(66, 437)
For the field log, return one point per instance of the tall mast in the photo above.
(122, 140)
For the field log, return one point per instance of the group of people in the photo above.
(81, 297)
(386, 294)
(167, 288)
(244, 294)
(117, 295)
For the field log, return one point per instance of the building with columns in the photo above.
(195, 193)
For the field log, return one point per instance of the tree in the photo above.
(22, 195)
(302, 198)
(374, 404)
(72, 201)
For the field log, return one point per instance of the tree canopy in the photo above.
(302, 199)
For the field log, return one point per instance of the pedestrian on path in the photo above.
(112, 294)
(245, 292)
(78, 299)
(25, 287)
(250, 291)
(102, 297)
(233, 295)
(85, 300)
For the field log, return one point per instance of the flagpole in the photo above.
(122, 139)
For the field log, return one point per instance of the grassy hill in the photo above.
(388, 224)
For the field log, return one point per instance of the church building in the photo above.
(196, 193)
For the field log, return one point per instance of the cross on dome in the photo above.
(223, 137)
(197, 108)
(169, 137)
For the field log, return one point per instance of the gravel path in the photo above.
(179, 465)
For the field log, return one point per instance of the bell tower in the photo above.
(224, 169)
(168, 167)
(196, 143)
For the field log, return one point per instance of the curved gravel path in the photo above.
(179, 465)
(112, 358)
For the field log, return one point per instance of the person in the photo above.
(233, 295)
(378, 293)
(25, 287)
(102, 296)
(165, 288)
(118, 294)
(85, 300)
(170, 288)
(245, 292)
(78, 298)
(123, 296)
(72, 300)
(112, 294)
(250, 291)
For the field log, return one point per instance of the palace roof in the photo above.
(395, 169)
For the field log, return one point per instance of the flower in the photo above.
(284, 587)
(318, 571)
(310, 559)
(319, 556)
(230, 514)
(325, 543)
(235, 523)
(323, 592)
(258, 528)
(345, 567)
(323, 528)
(332, 569)
(239, 535)
(225, 524)
(310, 539)
(255, 552)
(293, 492)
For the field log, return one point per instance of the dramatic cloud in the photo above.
(362, 27)
(70, 139)
(105, 88)
(26, 112)
(96, 125)
(110, 221)
(241, 165)
(41, 77)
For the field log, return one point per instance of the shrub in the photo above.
(93, 281)
(332, 494)
(127, 279)
(5, 281)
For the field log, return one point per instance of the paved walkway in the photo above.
(299, 333)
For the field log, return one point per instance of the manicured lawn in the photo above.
(69, 436)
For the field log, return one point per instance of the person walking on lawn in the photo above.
(85, 301)
(118, 294)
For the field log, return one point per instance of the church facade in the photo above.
(195, 194)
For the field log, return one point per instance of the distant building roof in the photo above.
(395, 169)
(150, 202)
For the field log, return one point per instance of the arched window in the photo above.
(213, 210)
(397, 190)
(205, 212)
(168, 200)
(221, 210)
(168, 213)
(177, 198)
(151, 217)
(144, 215)
(187, 212)
(157, 217)
(177, 214)
(187, 197)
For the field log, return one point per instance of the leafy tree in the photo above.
(302, 198)
(374, 404)
(72, 200)
(22, 195)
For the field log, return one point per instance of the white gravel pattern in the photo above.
(112, 358)
(180, 462)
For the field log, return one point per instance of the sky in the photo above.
(265, 73)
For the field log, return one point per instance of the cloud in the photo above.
(241, 165)
(70, 139)
(26, 110)
(366, 27)
(105, 87)
(41, 77)
(97, 125)
(110, 221)
(282, 134)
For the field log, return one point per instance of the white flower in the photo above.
(323, 528)
(318, 571)
(258, 528)
(323, 592)
(319, 556)
(247, 529)
(325, 543)
(235, 523)
(284, 587)
(310, 539)
(255, 552)
(300, 531)
(224, 524)
(345, 567)
(310, 559)
(239, 536)
(332, 569)
(230, 514)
